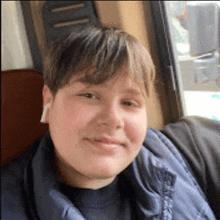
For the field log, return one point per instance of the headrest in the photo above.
(21, 111)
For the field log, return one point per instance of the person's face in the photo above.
(97, 130)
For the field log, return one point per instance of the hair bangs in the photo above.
(98, 54)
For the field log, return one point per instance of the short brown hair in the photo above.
(98, 52)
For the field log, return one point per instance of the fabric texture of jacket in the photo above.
(163, 185)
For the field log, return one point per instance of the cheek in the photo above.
(73, 116)
(136, 128)
(67, 124)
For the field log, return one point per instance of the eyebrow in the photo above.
(132, 91)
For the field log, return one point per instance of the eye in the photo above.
(88, 95)
(130, 103)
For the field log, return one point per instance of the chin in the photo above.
(106, 171)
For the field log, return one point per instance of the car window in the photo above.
(195, 31)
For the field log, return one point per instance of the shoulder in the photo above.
(198, 141)
(12, 191)
(13, 201)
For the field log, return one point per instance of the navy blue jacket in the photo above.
(163, 182)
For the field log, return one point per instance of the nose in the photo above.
(111, 116)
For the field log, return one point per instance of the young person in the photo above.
(99, 159)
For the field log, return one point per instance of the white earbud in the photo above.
(44, 114)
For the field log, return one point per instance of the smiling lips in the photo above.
(108, 141)
(108, 144)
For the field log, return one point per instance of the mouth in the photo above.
(106, 144)
(108, 141)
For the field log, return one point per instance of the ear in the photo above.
(47, 102)
(47, 96)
